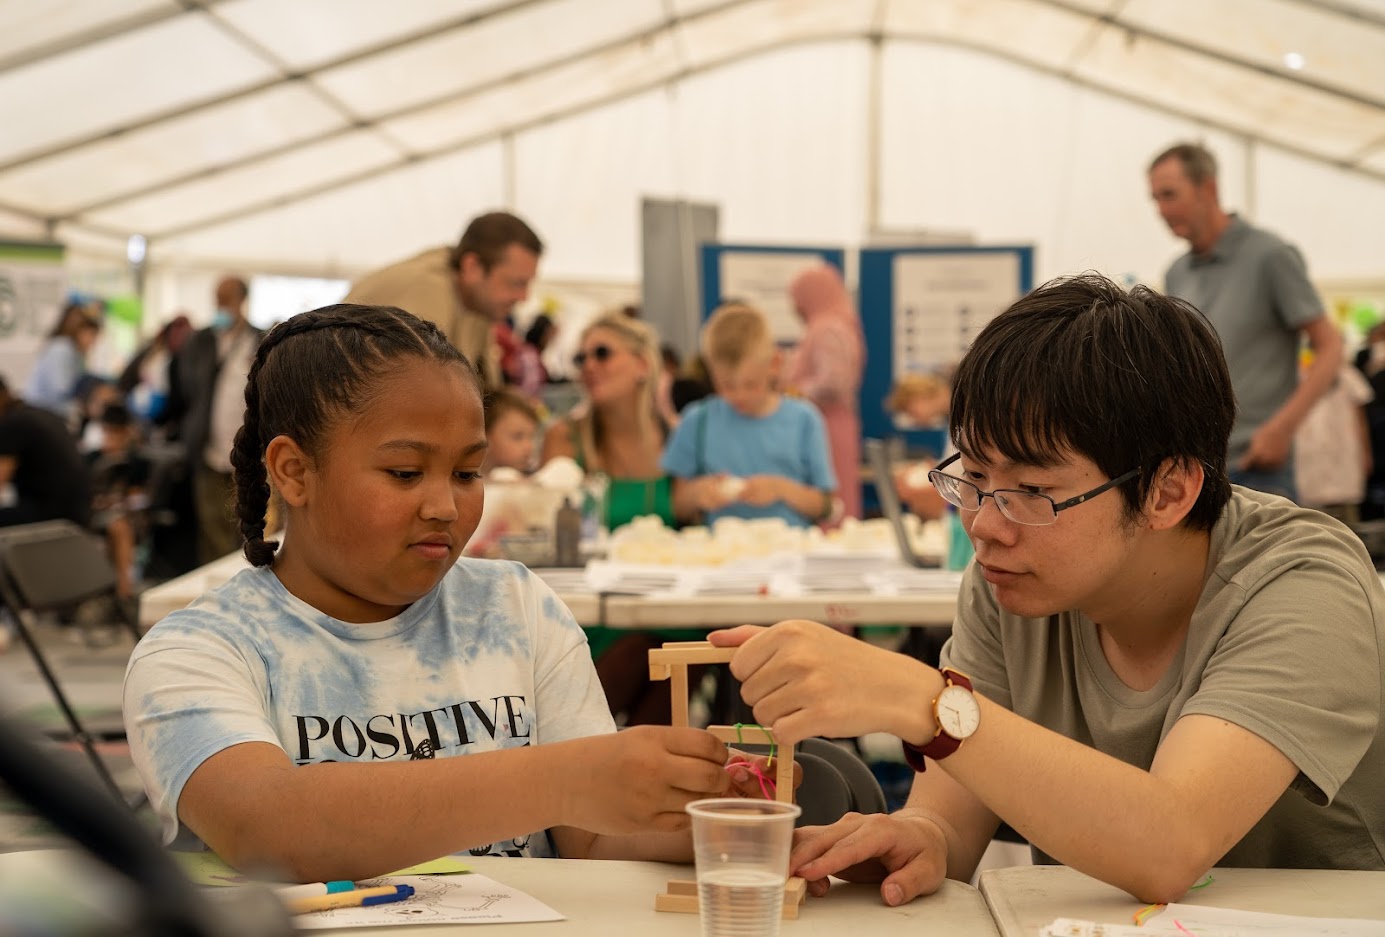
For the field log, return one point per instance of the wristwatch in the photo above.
(957, 716)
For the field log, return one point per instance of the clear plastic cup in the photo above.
(741, 848)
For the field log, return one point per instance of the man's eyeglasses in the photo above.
(599, 353)
(1022, 507)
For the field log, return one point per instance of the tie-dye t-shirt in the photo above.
(490, 659)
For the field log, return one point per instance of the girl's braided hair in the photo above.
(308, 372)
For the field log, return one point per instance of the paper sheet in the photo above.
(454, 899)
(207, 868)
(1182, 920)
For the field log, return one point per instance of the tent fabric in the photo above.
(330, 136)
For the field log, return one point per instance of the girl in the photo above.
(617, 430)
(62, 362)
(303, 718)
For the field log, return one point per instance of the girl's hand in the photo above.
(640, 779)
(746, 771)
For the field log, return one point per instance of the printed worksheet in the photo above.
(449, 899)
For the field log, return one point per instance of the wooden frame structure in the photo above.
(671, 663)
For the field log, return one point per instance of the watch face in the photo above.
(958, 712)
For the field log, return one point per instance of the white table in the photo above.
(1024, 899)
(640, 612)
(604, 899)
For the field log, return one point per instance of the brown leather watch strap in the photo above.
(942, 744)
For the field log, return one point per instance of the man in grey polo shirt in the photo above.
(1254, 288)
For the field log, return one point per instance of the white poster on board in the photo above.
(762, 279)
(942, 300)
(32, 286)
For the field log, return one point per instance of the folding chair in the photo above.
(55, 566)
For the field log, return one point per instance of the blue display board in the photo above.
(920, 306)
(760, 275)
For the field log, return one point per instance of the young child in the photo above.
(512, 426)
(119, 476)
(748, 451)
(305, 718)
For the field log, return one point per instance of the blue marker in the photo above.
(401, 892)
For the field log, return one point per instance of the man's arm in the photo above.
(1210, 781)
(1152, 833)
(8, 465)
(1270, 445)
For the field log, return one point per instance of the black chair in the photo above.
(54, 566)
(835, 782)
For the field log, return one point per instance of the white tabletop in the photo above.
(1026, 898)
(601, 899)
(639, 612)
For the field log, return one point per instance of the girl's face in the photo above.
(512, 441)
(385, 512)
(610, 371)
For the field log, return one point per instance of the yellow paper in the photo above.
(207, 868)
(447, 865)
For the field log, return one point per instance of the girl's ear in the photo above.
(288, 466)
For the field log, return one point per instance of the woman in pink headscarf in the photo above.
(827, 370)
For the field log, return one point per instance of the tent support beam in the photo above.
(711, 65)
(622, 42)
(194, 107)
(77, 41)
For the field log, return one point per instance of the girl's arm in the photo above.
(257, 810)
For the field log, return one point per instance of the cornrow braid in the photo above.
(308, 372)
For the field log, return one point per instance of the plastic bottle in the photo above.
(567, 535)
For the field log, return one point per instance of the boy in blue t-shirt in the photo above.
(749, 451)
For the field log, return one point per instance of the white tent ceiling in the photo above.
(334, 135)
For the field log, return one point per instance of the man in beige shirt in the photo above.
(1151, 671)
(465, 289)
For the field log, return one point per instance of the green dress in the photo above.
(627, 499)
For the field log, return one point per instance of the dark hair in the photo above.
(669, 355)
(73, 319)
(500, 402)
(538, 331)
(309, 371)
(1124, 379)
(116, 414)
(488, 235)
(1198, 162)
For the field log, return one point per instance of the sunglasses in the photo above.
(599, 353)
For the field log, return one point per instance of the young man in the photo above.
(748, 451)
(1151, 672)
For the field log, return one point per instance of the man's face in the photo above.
(231, 297)
(1186, 208)
(495, 292)
(1077, 562)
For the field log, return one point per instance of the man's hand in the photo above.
(805, 679)
(906, 854)
(1269, 448)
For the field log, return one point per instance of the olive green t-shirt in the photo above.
(1286, 641)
